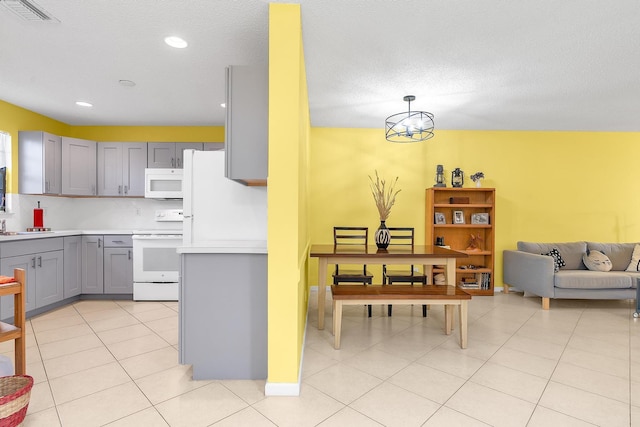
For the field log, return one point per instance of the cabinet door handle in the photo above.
(129, 254)
(99, 243)
(173, 162)
(179, 162)
(126, 189)
(33, 262)
(39, 261)
(118, 241)
(119, 189)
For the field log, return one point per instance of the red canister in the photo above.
(38, 217)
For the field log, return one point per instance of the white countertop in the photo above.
(60, 233)
(226, 247)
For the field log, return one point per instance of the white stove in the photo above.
(156, 263)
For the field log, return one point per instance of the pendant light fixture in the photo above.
(409, 126)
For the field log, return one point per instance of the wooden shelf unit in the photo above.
(16, 331)
(458, 236)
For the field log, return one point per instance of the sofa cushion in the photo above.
(557, 259)
(618, 253)
(571, 252)
(634, 265)
(587, 279)
(596, 261)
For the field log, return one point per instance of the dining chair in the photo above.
(403, 237)
(352, 236)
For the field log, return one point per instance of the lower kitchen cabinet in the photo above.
(118, 265)
(92, 264)
(43, 262)
(72, 266)
(107, 264)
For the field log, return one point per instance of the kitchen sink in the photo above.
(19, 233)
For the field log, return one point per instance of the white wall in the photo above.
(105, 213)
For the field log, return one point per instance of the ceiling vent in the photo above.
(28, 10)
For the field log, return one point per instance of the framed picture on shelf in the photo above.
(439, 218)
(458, 217)
(480, 218)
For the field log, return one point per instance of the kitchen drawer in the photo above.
(31, 246)
(118, 241)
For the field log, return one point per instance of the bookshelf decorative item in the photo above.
(480, 218)
(440, 218)
(457, 178)
(478, 207)
(458, 217)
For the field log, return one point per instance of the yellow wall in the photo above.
(288, 238)
(550, 186)
(150, 133)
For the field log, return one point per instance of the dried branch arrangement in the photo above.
(384, 195)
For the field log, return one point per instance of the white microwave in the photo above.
(163, 183)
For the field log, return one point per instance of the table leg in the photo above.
(448, 319)
(337, 324)
(322, 290)
(451, 272)
(463, 323)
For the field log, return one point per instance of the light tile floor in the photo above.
(115, 363)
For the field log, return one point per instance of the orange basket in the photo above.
(15, 392)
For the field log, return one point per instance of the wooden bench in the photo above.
(449, 296)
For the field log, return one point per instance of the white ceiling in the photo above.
(475, 64)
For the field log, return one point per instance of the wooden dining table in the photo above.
(424, 255)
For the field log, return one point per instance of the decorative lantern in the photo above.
(440, 177)
(457, 178)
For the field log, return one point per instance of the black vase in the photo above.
(382, 236)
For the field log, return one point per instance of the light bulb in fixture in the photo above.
(176, 42)
(84, 104)
(223, 105)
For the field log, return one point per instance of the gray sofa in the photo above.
(528, 270)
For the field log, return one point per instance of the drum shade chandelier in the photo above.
(409, 126)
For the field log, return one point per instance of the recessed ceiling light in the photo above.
(127, 83)
(176, 42)
(84, 104)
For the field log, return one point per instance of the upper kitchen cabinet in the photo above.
(78, 167)
(246, 124)
(121, 168)
(39, 162)
(213, 146)
(169, 154)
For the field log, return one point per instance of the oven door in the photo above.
(155, 258)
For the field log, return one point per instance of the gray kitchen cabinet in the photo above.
(121, 168)
(118, 265)
(213, 146)
(72, 266)
(39, 163)
(92, 264)
(78, 167)
(215, 350)
(246, 124)
(43, 262)
(169, 154)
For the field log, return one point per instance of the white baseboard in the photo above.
(282, 389)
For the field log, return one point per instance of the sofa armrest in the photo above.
(529, 272)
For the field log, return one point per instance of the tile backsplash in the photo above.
(87, 213)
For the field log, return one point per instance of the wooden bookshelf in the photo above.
(458, 235)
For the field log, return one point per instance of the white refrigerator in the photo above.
(217, 210)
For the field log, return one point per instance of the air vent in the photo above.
(28, 10)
